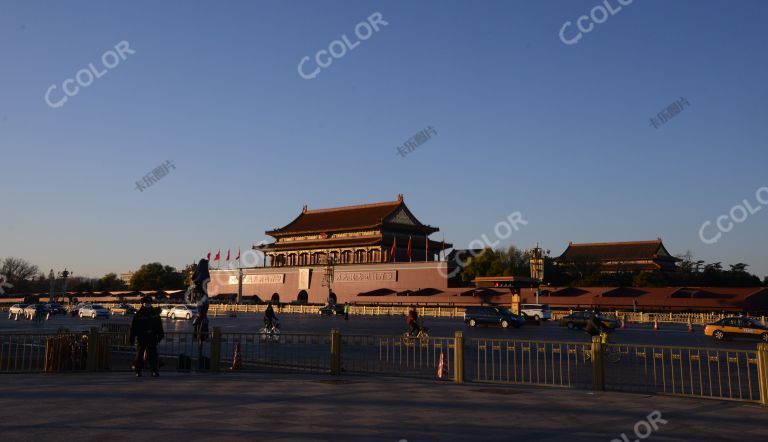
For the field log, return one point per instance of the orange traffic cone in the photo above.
(656, 324)
(441, 365)
(237, 361)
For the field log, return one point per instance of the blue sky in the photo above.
(524, 123)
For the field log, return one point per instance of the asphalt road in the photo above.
(670, 335)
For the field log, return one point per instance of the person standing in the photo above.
(146, 333)
(346, 311)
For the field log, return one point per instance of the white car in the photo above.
(536, 311)
(92, 311)
(183, 312)
(165, 310)
(16, 309)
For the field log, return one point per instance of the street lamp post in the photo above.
(329, 265)
(537, 255)
(52, 290)
(64, 274)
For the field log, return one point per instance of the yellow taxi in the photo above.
(737, 327)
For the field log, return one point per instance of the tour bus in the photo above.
(536, 311)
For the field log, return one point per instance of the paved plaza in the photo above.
(251, 406)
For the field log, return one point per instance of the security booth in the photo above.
(513, 283)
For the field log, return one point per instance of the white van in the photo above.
(536, 311)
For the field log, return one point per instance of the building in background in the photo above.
(126, 277)
(612, 257)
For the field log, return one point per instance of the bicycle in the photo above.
(611, 353)
(270, 333)
(422, 335)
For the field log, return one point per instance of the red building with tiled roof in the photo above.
(359, 241)
(352, 235)
(629, 256)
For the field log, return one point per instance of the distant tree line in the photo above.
(586, 273)
(27, 278)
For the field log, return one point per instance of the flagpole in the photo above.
(443, 248)
(410, 254)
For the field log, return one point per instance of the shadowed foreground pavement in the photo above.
(117, 406)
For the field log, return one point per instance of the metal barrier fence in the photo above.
(685, 371)
(669, 318)
(54, 352)
(177, 351)
(22, 353)
(283, 352)
(398, 355)
(531, 362)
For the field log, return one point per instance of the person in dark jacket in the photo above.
(412, 319)
(594, 325)
(146, 333)
(270, 318)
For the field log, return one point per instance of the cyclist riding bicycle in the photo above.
(270, 319)
(413, 321)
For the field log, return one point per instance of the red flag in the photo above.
(408, 250)
(238, 254)
(227, 255)
(218, 256)
(209, 256)
(392, 256)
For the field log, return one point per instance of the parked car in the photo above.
(503, 317)
(332, 309)
(578, 320)
(75, 311)
(56, 309)
(122, 309)
(737, 327)
(183, 312)
(16, 309)
(537, 312)
(92, 311)
(32, 309)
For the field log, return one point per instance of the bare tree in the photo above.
(18, 272)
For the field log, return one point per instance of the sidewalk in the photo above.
(117, 406)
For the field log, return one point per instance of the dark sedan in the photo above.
(578, 320)
(56, 309)
(332, 309)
